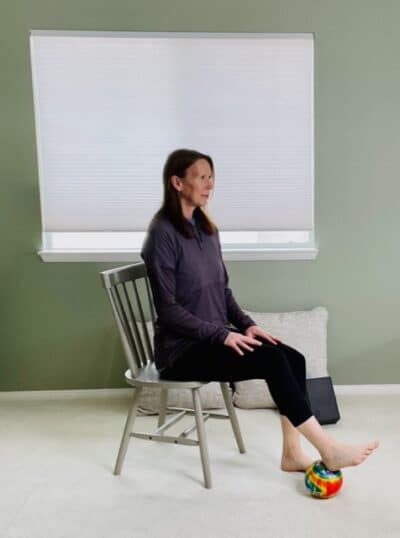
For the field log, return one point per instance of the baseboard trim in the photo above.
(64, 394)
(352, 390)
(340, 390)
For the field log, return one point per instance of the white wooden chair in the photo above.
(121, 285)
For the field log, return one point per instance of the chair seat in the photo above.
(149, 375)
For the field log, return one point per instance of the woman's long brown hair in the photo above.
(177, 164)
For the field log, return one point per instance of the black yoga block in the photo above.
(322, 400)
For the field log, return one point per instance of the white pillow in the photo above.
(305, 331)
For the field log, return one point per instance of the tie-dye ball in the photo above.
(321, 482)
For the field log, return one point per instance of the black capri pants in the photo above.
(281, 366)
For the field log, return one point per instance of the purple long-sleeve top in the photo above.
(189, 283)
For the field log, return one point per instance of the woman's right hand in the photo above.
(237, 340)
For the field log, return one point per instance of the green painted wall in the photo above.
(57, 330)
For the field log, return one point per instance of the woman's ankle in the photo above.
(290, 451)
(317, 436)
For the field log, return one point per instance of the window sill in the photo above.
(131, 255)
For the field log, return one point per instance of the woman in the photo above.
(193, 338)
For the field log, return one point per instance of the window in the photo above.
(110, 107)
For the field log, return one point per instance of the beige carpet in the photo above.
(57, 457)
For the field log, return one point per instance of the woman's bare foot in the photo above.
(341, 455)
(295, 461)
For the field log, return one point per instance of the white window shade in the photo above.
(110, 107)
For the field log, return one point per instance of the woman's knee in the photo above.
(268, 358)
(292, 353)
(296, 360)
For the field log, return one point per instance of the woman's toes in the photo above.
(348, 455)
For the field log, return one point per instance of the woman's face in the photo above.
(195, 188)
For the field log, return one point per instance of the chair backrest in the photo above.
(121, 285)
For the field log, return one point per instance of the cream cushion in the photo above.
(305, 331)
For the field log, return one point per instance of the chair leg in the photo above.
(130, 421)
(163, 407)
(233, 417)
(201, 431)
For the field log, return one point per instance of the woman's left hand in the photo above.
(255, 330)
